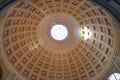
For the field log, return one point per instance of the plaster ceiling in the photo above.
(35, 55)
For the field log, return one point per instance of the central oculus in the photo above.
(59, 32)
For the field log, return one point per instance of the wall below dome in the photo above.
(5, 4)
(0, 73)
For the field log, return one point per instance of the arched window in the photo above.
(114, 76)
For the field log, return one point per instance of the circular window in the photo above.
(59, 32)
(114, 76)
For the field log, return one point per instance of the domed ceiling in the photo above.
(35, 54)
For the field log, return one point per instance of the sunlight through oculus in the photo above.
(59, 32)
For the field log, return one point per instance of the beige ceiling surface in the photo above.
(33, 53)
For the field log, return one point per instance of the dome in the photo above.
(37, 48)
